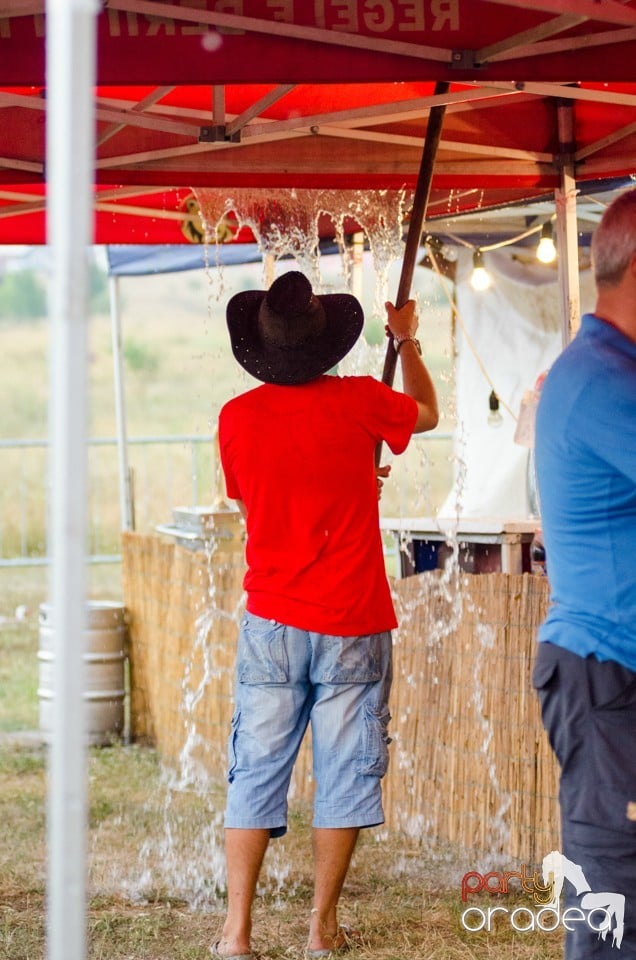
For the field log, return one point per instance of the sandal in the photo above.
(351, 938)
(214, 952)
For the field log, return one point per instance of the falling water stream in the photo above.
(184, 854)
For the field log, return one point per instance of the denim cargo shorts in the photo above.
(287, 679)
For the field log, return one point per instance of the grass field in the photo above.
(179, 370)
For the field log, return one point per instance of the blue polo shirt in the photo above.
(585, 450)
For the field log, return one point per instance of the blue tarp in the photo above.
(136, 260)
(133, 260)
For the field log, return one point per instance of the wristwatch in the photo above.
(398, 341)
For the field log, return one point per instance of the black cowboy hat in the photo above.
(288, 335)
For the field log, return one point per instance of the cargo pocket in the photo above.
(262, 652)
(231, 745)
(545, 665)
(560, 713)
(613, 754)
(374, 760)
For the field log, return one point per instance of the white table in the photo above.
(486, 544)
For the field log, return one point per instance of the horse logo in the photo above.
(557, 868)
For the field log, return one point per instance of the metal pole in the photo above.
(418, 213)
(70, 52)
(125, 493)
(567, 241)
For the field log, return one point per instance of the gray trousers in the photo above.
(589, 712)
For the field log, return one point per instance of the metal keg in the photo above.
(106, 638)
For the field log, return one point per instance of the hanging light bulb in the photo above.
(494, 416)
(546, 251)
(480, 278)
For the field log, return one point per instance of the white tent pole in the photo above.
(567, 242)
(357, 251)
(269, 268)
(125, 492)
(70, 75)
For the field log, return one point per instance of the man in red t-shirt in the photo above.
(315, 642)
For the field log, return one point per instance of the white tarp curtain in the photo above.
(515, 330)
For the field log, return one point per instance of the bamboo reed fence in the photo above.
(470, 763)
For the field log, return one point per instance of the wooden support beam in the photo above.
(606, 11)
(504, 49)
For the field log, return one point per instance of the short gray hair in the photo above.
(614, 240)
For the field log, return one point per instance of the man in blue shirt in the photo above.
(585, 672)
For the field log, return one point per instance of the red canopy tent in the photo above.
(228, 94)
(324, 94)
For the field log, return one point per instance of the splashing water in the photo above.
(183, 857)
(187, 859)
(499, 827)
(288, 223)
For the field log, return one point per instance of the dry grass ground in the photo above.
(403, 897)
(155, 854)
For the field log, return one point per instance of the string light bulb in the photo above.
(494, 416)
(480, 278)
(546, 250)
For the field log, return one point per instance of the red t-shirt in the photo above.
(301, 458)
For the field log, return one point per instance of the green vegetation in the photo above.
(22, 296)
(138, 356)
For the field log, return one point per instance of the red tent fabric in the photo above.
(323, 95)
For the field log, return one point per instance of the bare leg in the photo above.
(244, 851)
(333, 849)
